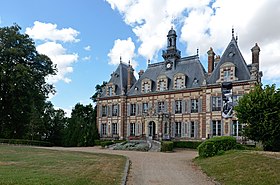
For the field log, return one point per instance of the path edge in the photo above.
(126, 169)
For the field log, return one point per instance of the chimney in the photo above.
(129, 76)
(211, 56)
(217, 60)
(255, 55)
(141, 72)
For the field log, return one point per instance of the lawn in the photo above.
(26, 166)
(242, 167)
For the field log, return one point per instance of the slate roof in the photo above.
(231, 54)
(189, 66)
(119, 79)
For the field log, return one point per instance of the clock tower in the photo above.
(171, 53)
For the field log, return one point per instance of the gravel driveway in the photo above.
(157, 168)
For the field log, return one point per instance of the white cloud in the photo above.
(58, 55)
(124, 49)
(49, 32)
(87, 58)
(87, 48)
(200, 25)
(53, 40)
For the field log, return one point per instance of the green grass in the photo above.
(26, 166)
(242, 167)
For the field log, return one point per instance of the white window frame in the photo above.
(115, 130)
(194, 105)
(133, 109)
(178, 106)
(216, 103)
(132, 129)
(103, 129)
(161, 106)
(217, 128)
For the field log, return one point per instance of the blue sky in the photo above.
(86, 38)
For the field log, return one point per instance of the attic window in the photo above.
(146, 85)
(110, 89)
(162, 83)
(227, 72)
(227, 75)
(179, 81)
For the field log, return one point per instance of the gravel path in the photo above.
(154, 168)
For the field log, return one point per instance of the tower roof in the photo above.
(171, 32)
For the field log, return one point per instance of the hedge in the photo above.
(167, 146)
(187, 144)
(26, 142)
(216, 145)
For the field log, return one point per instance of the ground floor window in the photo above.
(236, 128)
(115, 128)
(216, 128)
(192, 129)
(132, 129)
(165, 128)
(103, 129)
(178, 128)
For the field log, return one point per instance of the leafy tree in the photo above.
(260, 111)
(23, 89)
(98, 91)
(81, 129)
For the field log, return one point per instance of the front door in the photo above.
(152, 129)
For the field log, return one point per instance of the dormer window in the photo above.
(179, 81)
(162, 83)
(110, 89)
(146, 85)
(227, 72)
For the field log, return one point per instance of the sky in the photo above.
(86, 38)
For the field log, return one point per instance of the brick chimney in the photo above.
(141, 72)
(255, 55)
(129, 76)
(211, 56)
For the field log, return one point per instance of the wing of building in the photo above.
(177, 98)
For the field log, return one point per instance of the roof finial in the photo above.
(120, 59)
(197, 51)
(149, 61)
(232, 32)
(129, 63)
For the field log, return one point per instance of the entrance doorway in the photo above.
(152, 129)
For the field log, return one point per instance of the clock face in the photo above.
(168, 65)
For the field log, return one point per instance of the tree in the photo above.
(22, 84)
(81, 129)
(98, 91)
(260, 111)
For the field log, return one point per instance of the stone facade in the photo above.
(177, 98)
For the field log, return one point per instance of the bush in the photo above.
(216, 145)
(26, 142)
(187, 144)
(97, 142)
(167, 146)
(106, 143)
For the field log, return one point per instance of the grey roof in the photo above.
(231, 54)
(189, 66)
(119, 79)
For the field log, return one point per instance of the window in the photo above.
(216, 103)
(178, 107)
(237, 128)
(110, 90)
(165, 128)
(103, 129)
(145, 107)
(132, 109)
(194, 108)
(161, 85)
(178, 127)
(146, 87)
(227, 75)
(104, 111)
(178, 83)
(161, 106)
(115, 110)
(235, 99)
(192, 129)
(132, 129)
(216, 128)
(115, 129)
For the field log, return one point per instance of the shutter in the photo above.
(140, 128)
(211, 128)
(173, 106)
(211, 103)
(222, 128)
(100, 129)
(199, 105)
(128, 129)
(137, 109)
(136, 129)
(230, 129)
(107, 129)
(172, 130)
(156, 106)
(100, 111)
(195, 129)
(165, 106)
(118, 113)
(183, 130)
(183, 106)
(189, 106)
(189, 129)
(109, 110)
(128, 109)
(140, 108)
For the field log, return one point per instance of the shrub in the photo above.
(26, 142)
(106, 143)
(216, 145)
(187, 144)
(97, 142)
(167, 146)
